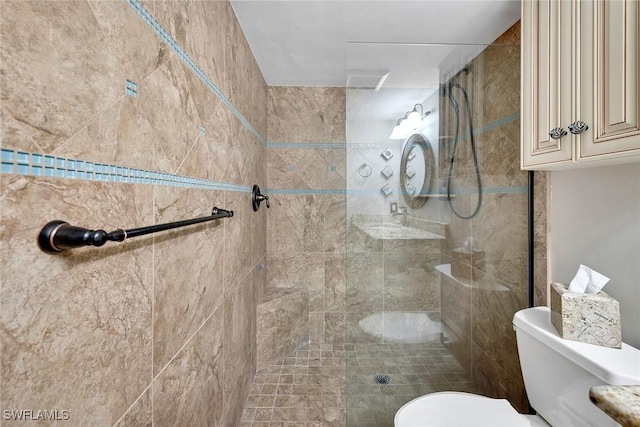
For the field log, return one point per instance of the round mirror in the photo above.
(417, 167)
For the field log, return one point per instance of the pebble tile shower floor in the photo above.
(334, 385)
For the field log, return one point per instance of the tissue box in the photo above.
(590, 318)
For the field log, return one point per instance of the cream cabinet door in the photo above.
(547, 40)
(608, 100)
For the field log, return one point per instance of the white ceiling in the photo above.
(309, 42)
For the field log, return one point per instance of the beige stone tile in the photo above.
(335, 223)
(259, 235)
(335, 281)
(457, 230)
(321, 110)
(365, 282)
(358, 241)
(255, 291)
(336, 156)
(335, 328)
(240, 64)
(189, 390)
(166, 90)
(500, 230)
(210, 156)
(261, 165)
(65, 82)
(241, 160)
(494, 381)
(283, 324)
(422, 246)
(188, 269)
(411, 282)
(253, 170)
(499, 156)
(121, 135)
(75, 327)
(456, 303)
(316, 327)
(355, 334)
(137, 49)
(250, 289)
(239, 315)
(299, 168)
(204, 99)
(200, 28)
(295, 224)
(492, 313)
(248, 415)
(106, 126)
(258, 113)
(459, 345)
(500, 81)
(237, 239)
(233, 403)
(540, 238)
(139, 414)
(299, 270)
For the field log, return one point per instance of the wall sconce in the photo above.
(410, 122)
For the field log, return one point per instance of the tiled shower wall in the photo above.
(306, 224)
(478, 310)
(159, 330)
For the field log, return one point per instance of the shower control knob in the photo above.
(578, 127)
(257, 198)
(557, 133)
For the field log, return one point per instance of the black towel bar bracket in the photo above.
(57, 236)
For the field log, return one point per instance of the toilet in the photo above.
(557, 376)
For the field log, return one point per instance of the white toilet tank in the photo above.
(558, 373)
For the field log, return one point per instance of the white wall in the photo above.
(595, 220)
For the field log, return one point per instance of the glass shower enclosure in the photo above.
(436, 225)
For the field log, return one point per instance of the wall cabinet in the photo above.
(580, 83)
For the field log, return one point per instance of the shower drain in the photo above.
(382, 379)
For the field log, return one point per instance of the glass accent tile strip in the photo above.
(36, 164)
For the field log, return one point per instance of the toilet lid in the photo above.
(458, 409)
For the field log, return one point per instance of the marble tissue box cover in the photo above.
(589, 318)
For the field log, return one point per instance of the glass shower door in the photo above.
(436, 250)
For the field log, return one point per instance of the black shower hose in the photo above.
(454, 104)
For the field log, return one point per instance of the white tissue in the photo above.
(587, 281)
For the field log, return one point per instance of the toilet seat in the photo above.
(459, 409)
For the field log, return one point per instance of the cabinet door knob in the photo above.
(578, 127)
(557, 133)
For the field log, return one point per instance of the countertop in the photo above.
(622, 402)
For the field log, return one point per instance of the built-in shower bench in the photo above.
(283, 324)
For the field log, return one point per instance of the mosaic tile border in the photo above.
(310, 191)
(42, 165)
(305, 191)
(491, 126)
(151, 21)
(309, 145)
